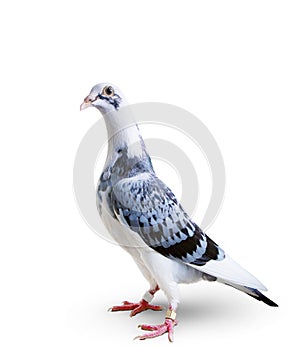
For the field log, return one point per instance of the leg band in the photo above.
(148, 297)
(171, 314)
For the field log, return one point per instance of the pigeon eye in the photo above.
(108, 91)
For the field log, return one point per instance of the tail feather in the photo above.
(251, 292)
(261, 297)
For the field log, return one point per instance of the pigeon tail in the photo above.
(251, 292)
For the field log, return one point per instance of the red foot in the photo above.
(135, 308)
(158, 330)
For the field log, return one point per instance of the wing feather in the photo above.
(230, 271)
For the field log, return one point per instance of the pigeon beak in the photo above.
(86, 103)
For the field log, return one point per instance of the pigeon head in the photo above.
(105, 97)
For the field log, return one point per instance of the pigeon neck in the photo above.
(123, 134)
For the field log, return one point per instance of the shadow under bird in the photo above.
(144, 217)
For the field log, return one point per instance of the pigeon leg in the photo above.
(158, 330)
(139, 307)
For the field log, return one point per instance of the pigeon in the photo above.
(145, 218)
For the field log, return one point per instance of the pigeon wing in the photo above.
(148, 207)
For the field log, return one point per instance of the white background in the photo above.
(235, 64)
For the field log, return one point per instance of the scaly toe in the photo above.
(158, 330)
(126, 306)
(135, 308)
(143, 306)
